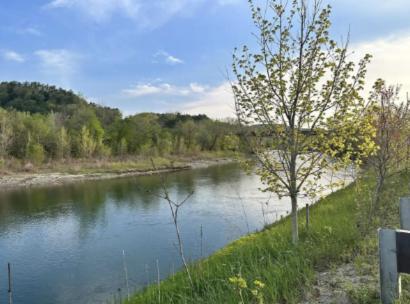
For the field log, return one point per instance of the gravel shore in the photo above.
(25, 180)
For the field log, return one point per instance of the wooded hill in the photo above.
(39, 122)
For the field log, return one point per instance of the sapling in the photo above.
(174, 207)
(298, 100)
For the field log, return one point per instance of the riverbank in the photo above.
(59, 173)
(266, 265)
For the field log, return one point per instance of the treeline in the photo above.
(40, 123)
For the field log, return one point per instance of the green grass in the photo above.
(268, 256)
(366, 258)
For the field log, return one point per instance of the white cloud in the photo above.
(13, 56)
(163, 56)
(216, 102)
(197, 88)
(31, 31)
(58, 64)
(149, 14)
(99, 10)
(60, 3)
(390, 60)
(228, 2)
(163, 89)
(143, 90)
(371, 5)
(173, 60)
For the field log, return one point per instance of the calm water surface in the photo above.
(65, 243)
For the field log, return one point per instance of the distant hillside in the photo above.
(35, 97)
(40, 122)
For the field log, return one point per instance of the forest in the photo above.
(39, 123)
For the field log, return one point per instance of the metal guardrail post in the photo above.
(405, 213)
(389, 275)
(394, 252)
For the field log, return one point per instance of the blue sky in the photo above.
(169, 55)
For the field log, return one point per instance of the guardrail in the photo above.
(394, 252)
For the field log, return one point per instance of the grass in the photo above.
(366, 259)
(287, 271)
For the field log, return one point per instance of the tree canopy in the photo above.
(299, 87)
(40, 122)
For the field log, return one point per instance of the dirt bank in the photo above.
(25, 180)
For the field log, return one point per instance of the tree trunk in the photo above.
(295, 230)
(294, 196)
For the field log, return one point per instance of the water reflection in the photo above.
(66, 242)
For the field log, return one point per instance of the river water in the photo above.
(65, 243)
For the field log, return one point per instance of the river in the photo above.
(65, 243)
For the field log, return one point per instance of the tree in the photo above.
(174, 207)
(230, 142)
(34, 97)
(87, 143)
(85, 131)
(122, 147)
(188, 130)
(141, 132)
(62, 144)
(210, 133)
(392, 137)
(6, 133)
(35, 153)
(300, 90)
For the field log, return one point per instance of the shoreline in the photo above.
(15, 181)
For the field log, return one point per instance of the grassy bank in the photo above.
(287, 271)
(364, 287)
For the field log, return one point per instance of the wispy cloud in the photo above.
(229, 2)
(390, 62)
(163, 89)
(13, 56)
(216, 102)
(162, 56)
(149, 14)
(369, 5)
(390, 59)
(197, 88)
(30, 31)
(60, 3)
(58, 65)
(99, 10)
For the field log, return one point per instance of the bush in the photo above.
(35, 154)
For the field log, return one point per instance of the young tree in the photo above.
(62, 144)
(392, 136)
(174, 207)
(6, 133)
(188, 130)
(87, 143)
(122, 147)
(301, 96)
(35, 153)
